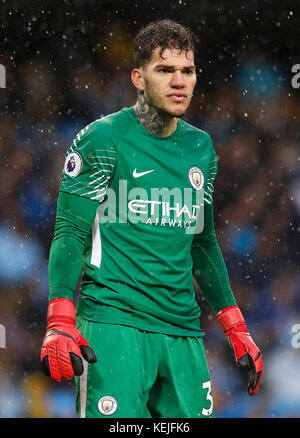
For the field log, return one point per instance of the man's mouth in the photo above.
(178, 97)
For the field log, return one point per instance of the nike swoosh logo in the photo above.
(139, 174)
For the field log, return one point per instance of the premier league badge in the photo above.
(196, 178)
(73, 164)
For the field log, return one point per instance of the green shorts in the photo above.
(142, 375)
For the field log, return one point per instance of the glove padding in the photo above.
(244, 349)
(63, 346)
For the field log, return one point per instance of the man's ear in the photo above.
(137, 79)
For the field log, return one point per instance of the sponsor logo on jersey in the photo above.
(161, 206)
(136, 174)
(141, 206)
(73, 164)
(107, 405)
(196, 178)
(163, 213)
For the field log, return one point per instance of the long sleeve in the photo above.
(209, 267)
(74, 219)
(88, 170)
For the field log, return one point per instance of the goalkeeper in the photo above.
(134, 342)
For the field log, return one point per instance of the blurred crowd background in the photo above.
(68, 64)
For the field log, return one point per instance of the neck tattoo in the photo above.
(149, 117)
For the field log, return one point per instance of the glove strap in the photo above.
(61, 308)
(230, 317)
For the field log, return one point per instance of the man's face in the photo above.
(169, 81)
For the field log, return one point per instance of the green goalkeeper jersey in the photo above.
(145, 198)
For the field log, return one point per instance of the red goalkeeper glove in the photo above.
(63, 345)
(245, 351)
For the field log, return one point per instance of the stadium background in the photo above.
(67, 64)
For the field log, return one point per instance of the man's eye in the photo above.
(164, 70)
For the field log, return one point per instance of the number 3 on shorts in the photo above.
(207, 385)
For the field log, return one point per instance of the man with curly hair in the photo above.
(135, 216)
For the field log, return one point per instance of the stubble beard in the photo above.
(159, 107)
(152, 113)
(165, 113)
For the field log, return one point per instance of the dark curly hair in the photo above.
(166, 34)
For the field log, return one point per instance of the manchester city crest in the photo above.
(196, 178)
(107, 405)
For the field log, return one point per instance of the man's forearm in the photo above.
(210, 272)
(65, 264)
(71, 237)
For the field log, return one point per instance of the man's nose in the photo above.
(177, 79)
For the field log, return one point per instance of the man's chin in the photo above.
(173, 112)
